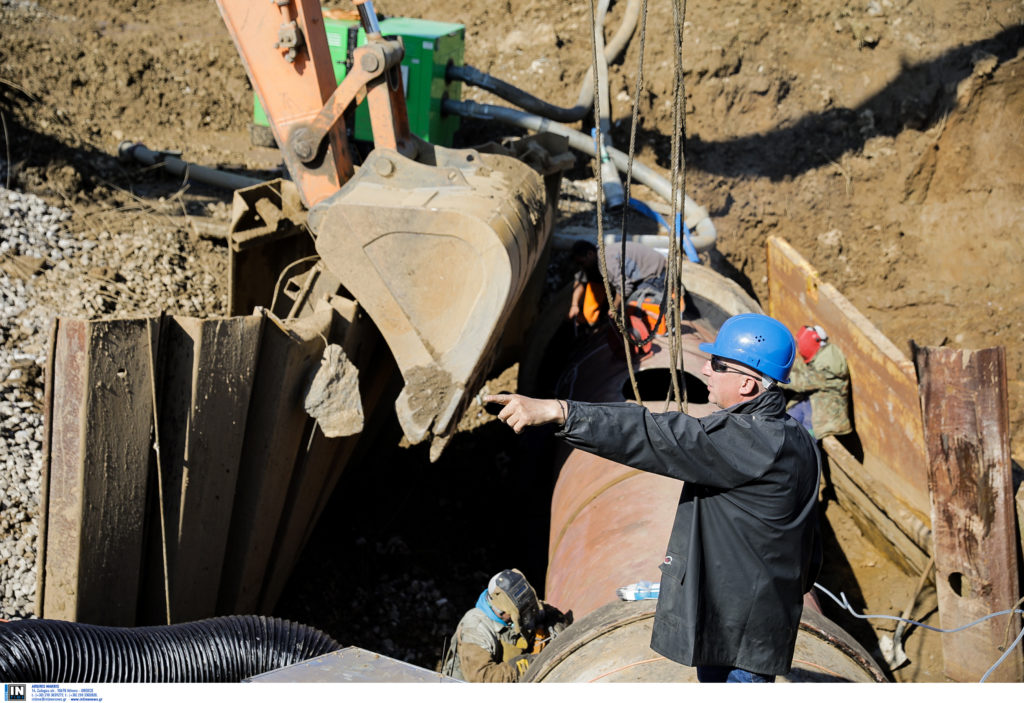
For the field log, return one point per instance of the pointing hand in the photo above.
(521, 411)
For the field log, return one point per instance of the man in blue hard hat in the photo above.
(744, 544)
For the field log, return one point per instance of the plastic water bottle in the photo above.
(641, 590)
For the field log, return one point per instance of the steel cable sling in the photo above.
(672, 296)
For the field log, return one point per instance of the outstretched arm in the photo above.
(577, 300)
(521, 411)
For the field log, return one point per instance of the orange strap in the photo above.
(653, 310)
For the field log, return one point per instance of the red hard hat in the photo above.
(809, 340)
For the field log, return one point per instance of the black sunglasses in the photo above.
(719, 366)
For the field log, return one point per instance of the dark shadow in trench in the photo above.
(405, 547)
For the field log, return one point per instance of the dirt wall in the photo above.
(880, 138)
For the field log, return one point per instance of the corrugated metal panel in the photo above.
(235, 459)
(98, 421)
(274, 434)
(206, 373)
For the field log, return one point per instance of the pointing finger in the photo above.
(497, 404)
(501, 398)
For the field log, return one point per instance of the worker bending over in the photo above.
(496, 640)
(644, 279)
(744, 545)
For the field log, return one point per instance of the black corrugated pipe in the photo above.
(533, 104)
(224, 649)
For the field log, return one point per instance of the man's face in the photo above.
(586, 261)
(728, 382)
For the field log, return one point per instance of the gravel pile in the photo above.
(56, 262)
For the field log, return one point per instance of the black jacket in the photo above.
(743, 547)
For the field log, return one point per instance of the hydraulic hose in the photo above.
(224, 649)
(536, 106)
(614, 195)
(702, 230)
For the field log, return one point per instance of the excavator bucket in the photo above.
(436, 245)
(438, 251)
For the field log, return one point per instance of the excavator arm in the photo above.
(438, 246)
(284, 48)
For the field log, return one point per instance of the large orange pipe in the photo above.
(610, 524)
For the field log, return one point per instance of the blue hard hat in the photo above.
(757, 341)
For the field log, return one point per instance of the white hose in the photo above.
(188, 171)
(702, 229)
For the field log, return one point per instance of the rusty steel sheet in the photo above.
(243, 471)
(965, 405)
(320, 464)
(885, 405)
(98, 419)
(901, 536)
(267, 239)
(44, 472)
(1018, 500)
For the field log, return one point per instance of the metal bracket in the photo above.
(289, 37)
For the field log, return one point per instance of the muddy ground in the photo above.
(882, 138)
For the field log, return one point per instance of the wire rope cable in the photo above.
(601, 263)
(672, 295)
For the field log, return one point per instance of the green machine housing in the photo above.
(429, 47)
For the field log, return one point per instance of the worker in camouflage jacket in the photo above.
(497, 639)
(819, 385)
(744, 546)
